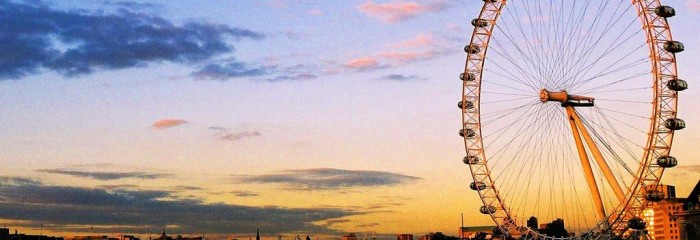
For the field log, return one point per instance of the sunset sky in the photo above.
(219, 117)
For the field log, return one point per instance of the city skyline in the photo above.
(218, 118)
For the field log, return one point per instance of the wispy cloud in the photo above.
(420, 41)
(119, 211)
(227, 134)
(245, 194)
(367, 225)
(363, 64)
(422, 48)
(132, 5)
(235, 69)
(276, 4)
(397, 11)
(401, 78)
(693, 5)
(106, 175)
(329, 179)
(168, 123)
(315, 12)
(299, 72)
(239, 135)
(37, 38)
(294, 77)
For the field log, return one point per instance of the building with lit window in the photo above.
(404, 237)
(350, 236)
(674, 218)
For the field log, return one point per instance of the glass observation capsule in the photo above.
(674, 123)
(477, 186)
(468, 132)
(674, 46)
(487, 209)
(636, 223)
(476, 22)
(468, 77)
(677, 85)
(665, 11)
(654, 195)
(469, 105)
(666, 161)
(471, 49)
(471, 160)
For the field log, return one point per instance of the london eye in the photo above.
(569, 108)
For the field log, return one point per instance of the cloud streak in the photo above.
(422, 48)
(329, 179)
(693, 5)
(363, 64)
(106, 175)
(398, 11)
(245, 194)
(230, 70)
(36, 38)
(225, 134)
(400, 78)
(168, 123)
(133, 211)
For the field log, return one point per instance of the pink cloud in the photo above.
(406, 57)
(420, 48)
(419, 42)
(168, 123)
(277, 4)
(367, 63)
(315, 12)
(398, 10)
(693, 5)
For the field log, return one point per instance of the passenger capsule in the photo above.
(677, 85)
(636, 223)
(468, 77)
(654, 195)
(674, 123)
(666, 161)
(476, 22)
(467, 132)
(470, 160)
(487, 209)
(472, 49)
(674, 46)
(469, 105)
(477, 186)
(665, 11)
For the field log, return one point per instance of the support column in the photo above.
(609, 176)
(586, 164)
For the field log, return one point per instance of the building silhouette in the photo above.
(5, 235)
(532, 223)
(473, 231)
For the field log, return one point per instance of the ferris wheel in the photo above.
(568, 114)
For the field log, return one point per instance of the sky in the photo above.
(219, 117)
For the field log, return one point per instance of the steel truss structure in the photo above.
(623, 220)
